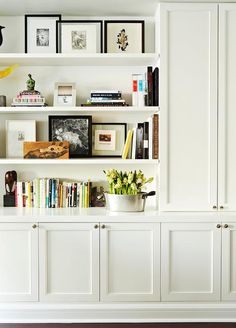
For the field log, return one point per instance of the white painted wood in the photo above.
(130, 262)
(227, 103)
(18, 262)
(188, 103)
(69, 262)
(71, 161)
(229, 262)
(191, 262)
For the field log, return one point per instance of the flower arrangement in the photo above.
(126, 183)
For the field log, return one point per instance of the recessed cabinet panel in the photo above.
(130, 255)
(18, 262)
(188, 96)
(69, 262)
(191, 255)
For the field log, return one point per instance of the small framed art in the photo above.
(18, 131)
(77, 130)
(79, 36)
(108, 139)
(64, 94)
(126, 36)
(40, 33)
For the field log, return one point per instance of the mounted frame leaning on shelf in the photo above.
(124, 36)
(46, 150)
(77, 130)
(65, 94)
(79, 36)
(40, 33)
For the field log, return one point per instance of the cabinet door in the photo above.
(188, 102)
(227, 105)
(229, 262)
(191, 257)
(69, 262)
(18, 262)
(130, 262)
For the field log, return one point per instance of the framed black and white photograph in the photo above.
(40, 33)
(65, 94)
(18, 131)
(108, 139)
(80, 36)
(126, 36)
(77, 130)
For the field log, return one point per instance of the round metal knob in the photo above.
(218, 226)
(34, 226)
(103, 226)
(96, 226)
(221, 207)
(226, 226)
(214, 207)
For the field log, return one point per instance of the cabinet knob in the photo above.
(103, 226)
(96, 226)
(218, 226)
(214, 207)
(34, 226)
(221, 207)
(226, 226)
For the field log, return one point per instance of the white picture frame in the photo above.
(18, 131)
(64, 95)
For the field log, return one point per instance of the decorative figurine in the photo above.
(1, 37)
(30, 83)
(10, 187)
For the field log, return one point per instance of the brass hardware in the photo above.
(34, 226)
(214, 207)
(226, 226)
(103, 226)
(218, 226)
(221, 207)
(96, 226)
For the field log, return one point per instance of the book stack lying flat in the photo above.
(29, 98)
(105, 98)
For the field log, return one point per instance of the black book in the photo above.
(150, 86)
(145, 140)
(155, 79)
(106, 95)
(139, 141)
(50, 194)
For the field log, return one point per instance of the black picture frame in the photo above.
(107, 22)
(35, 16)
(58, 31)
(58, 136)
(107, 155)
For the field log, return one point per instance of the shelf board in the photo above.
(79, 161)
(22, 59)
(79, 109)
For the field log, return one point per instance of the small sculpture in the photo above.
(10, 182)
(30, 83)
(1, 37)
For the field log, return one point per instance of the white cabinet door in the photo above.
(188, 102)
(227, 105)
(229, 262)
(130, 262)
(18, 262)
(191, 258)
(69, 262)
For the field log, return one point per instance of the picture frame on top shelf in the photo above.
(124, 36)
(79, 36)
(17, 132)
(64, 94)
(76, 129)
(108, 139)
(40, 33)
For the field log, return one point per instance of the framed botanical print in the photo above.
(126, 36)
(40, 33)
(64, 94)
(77, 130)
(80, 36)
(108, 139)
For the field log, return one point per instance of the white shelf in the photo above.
(145, 59)
(79, 161)
(79, 109)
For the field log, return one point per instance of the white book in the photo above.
(135, 90)
(19, 195)
(150, 137)
(133, 155)
(105, 91)
(140, 90)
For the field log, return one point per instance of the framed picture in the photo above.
(40, 33)
(18, 131)
(64, 94)
(108, 139)
(46, 150)
(126, 36)
(79, 36)
(77, 130)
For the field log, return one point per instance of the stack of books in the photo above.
(142, 142)
(52, 193)
(29, 98)
(105, 98)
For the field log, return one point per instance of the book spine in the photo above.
(155, 136)
(156, 87)
(19, 195)
(135, 90)
(145, 140)
(106, 95)
(150, 86)
(150, 137)
(140, 90)
(127, 145)
(139, 141)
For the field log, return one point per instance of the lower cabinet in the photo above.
(18, 262)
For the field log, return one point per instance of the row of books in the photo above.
(146, 88)
(105, 98)
(29, 98)
(52, 193)
(142, 142)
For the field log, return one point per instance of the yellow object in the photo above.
(7, 71)
(127, 144)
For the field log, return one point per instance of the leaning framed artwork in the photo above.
(125, 36)
(40, 33)
(79, 36)
(75, 129)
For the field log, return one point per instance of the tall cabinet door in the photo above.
(227, 106)
(188, 102)
(69, 262)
